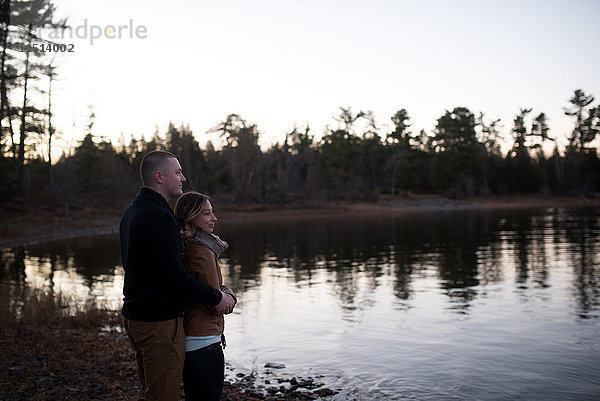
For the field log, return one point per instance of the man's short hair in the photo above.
(154, 161)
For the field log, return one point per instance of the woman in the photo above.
(204, 366)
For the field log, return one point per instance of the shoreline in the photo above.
(24, 228)
(99, 364)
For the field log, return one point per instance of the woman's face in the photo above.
(206, 219)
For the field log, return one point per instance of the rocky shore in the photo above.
(269, 386)
(75, 363)
(52, 352)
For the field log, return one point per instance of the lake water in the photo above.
(464, 305)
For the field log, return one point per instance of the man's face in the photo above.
(173, 179)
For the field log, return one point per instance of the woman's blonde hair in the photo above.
(188, 206)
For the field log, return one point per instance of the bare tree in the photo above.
(50, 72)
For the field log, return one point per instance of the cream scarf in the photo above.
(209, 240)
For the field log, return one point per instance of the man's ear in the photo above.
(158, 177)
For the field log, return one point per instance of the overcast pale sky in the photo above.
(280, 63)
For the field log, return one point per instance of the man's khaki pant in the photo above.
(159, 351)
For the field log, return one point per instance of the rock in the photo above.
(275, 365)
(18, 370)
(73, 379)
(325, 392)
(308, 383)
(97, 392)
(254, 394)
(272, 390)
(308, 395)
(43, 379)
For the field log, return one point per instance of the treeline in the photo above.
(357, 159)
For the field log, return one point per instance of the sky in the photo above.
(285, 63)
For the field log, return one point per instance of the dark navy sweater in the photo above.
(156, 283)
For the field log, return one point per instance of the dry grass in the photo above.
(53, 349)
(30, 307)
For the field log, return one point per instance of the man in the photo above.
(156, 284)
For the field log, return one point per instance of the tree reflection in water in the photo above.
(467, 250)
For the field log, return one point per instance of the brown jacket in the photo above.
(201, 262)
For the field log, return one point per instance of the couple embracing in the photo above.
(170, 262)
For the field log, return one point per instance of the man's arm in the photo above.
(176, 278)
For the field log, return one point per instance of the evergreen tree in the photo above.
(587, 122)
(582, 166)
(524, 174)
(181, 142)
(35, 14)
(457, 161)
(401, 149)
(338, 153)
(244, 157)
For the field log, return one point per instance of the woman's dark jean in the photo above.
(203, 373)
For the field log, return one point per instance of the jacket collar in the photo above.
(149, 193)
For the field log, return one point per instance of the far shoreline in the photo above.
(32, 227)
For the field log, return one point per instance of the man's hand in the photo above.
(226, 305)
